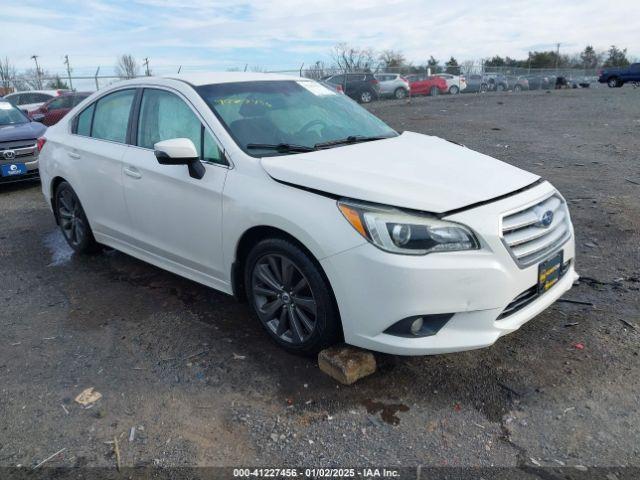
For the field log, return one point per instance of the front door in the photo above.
(174, 217)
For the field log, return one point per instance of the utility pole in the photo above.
(38, 79)
(557, 56)
(146, 66)
(66, 62)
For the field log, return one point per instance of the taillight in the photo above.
(41, 142)
(59, 92)
(373, 81)
(339, 89)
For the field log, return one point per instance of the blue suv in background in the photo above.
(18, 144)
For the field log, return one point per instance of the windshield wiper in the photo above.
(348, 140)
(281, 147)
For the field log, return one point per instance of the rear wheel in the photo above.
(454, 90)
(517, 88)
(366, 96)
(500, 87)
(434, 91)
(484, 88)
(400, 93)
(291, 297)
(73, 221)
(612, 82)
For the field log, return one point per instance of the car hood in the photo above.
(21, 131)
(411, 170)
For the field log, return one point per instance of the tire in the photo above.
(484, 88)
(365, 96)
(500, 88)
(400, 93)
(517, 88)
(433, 92)
(73, 221)
(291, 298)
(613, 82)
(454, 90)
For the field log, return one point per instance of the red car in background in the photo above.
(53, 110)
(427, 85)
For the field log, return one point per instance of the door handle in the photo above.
(73, 155)
(132, 172)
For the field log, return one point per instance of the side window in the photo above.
(41, 97)
(14, 99)
(83, 122)
(111, 118)
(60, 102)
(210, 150)
(26, 98)
(164, 116)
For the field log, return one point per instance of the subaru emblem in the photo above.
(547, 218)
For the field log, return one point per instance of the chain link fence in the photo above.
(470, 77)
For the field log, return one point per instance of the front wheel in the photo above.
(291, 297)
(612, 82)
(484, 88)
(73, 221)
(517, 88)
(454, 90)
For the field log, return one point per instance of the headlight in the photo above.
(396, 231)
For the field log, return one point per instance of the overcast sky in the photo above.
(280, 34)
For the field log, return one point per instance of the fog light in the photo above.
(416, 326)
(419, 326)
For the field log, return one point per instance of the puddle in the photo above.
(61, 252)
(387, 411)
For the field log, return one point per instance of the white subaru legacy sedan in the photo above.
(329, 223)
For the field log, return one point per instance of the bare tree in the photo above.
(127, 67)
(352, 59)
(7, 74)
(30, 79)
(392, 60)
(316, 71)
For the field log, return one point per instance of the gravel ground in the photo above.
(203, 385)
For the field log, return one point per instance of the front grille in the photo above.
(25, 151)
(528, 239)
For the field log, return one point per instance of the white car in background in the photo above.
(393, 85)
(31, 100)
(455, 83)
(329, 223)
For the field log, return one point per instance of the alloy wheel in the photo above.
(71, 217)
(366, 97)
(283, 298)
(400, 93)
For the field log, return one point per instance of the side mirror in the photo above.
(180, 151)
(37, 117)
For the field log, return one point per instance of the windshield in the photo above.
(10, 115)
(300, 113)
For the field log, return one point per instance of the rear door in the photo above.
(95, 152)
(174, 216)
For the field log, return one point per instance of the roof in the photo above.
(198, 79)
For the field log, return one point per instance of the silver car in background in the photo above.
(393, 85)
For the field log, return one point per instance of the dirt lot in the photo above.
(203, 385)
